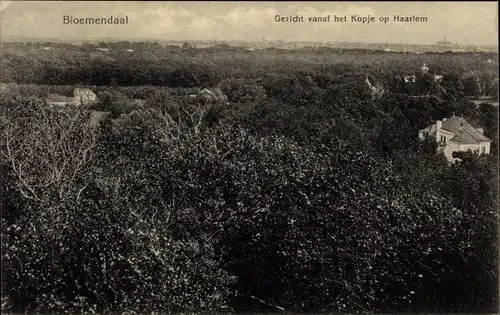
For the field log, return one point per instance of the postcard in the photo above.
(210, 157)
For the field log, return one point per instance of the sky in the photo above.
(474, 23)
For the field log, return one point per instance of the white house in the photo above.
(457, 134)
(83, 96)
(212, 95)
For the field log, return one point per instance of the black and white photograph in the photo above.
(249, 157)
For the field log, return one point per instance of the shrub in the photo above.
(77, 234)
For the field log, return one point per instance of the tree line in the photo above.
(154, 65)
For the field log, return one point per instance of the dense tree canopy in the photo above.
(304, 194)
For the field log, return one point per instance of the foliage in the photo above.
(152, 64)
(77, 235)
(115, 102)
(471, 84)
(303, 194)
(241, 91)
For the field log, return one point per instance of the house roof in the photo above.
(215, 93)
(206, 91)
(431, 130)
(464, 132)
(80, 91)
(465, 137)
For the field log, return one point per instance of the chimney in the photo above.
(481, 130)
(439, 124)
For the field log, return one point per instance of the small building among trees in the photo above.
(213, 95)
(81, 96)
(84, 96)
(457, 135)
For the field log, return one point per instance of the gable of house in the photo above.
(463, 130)
(431, 131)
(214, 94)
(84, 93)
(206, 93)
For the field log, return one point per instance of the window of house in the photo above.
(483, 150)
(444, 139)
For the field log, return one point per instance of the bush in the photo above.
(309, 229)
(86, 241)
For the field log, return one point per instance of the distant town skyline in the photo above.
(465, 23)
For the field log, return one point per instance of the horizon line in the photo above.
(153, 39)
